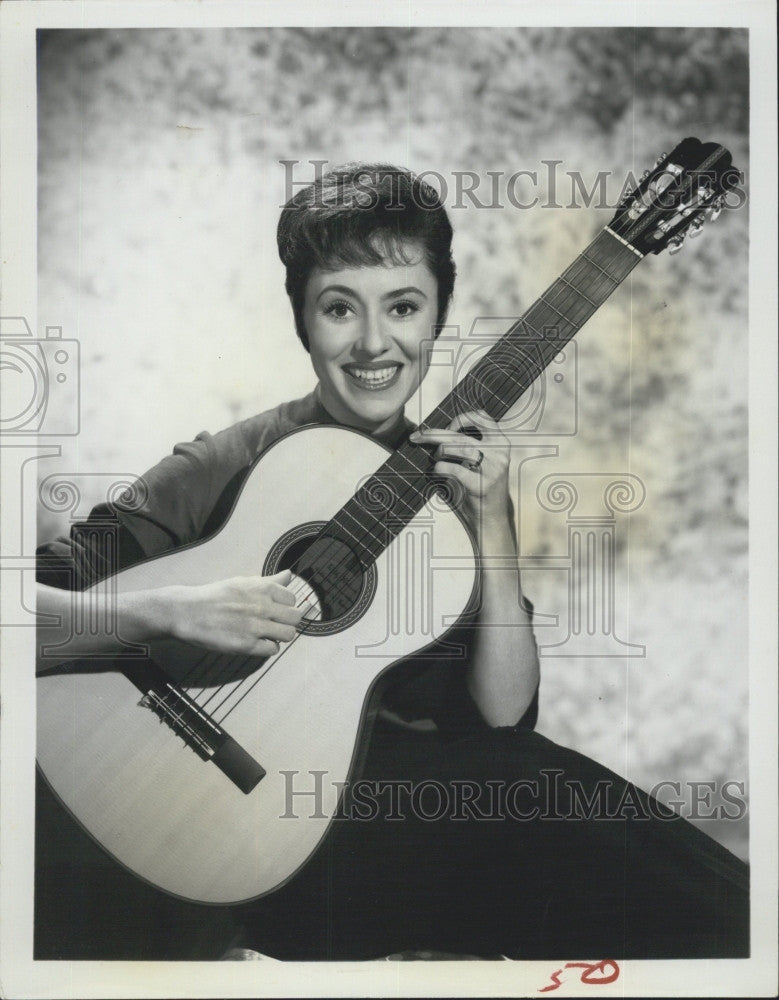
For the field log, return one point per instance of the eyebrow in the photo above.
(345, 290)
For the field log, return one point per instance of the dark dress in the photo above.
(455, 837)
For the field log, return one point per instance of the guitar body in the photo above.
(196, 787)
(139, 788)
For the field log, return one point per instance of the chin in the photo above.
(374, 416)
(376, 410)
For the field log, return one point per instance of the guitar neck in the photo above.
(524, 351)
(394, 494)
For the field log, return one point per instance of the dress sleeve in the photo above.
(169, 506)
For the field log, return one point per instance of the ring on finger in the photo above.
(472, 464)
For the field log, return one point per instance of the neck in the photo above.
(387, 429)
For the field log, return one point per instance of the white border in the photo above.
(19, 975)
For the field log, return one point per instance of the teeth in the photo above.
(374, 375)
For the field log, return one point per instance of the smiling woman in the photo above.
(453, 838)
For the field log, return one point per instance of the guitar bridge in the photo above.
(200, 732)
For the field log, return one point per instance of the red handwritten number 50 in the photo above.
(594, 974)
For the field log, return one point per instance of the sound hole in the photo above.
(342, 587)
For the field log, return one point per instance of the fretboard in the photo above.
(392, 496)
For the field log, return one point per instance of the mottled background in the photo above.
(160, 184)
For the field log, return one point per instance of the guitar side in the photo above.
(177, 820)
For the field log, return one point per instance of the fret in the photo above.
(623, 242)
(537, 313)
(526, 322)
(574, 322)
(565, 294)
(605, 252)
(440, 417)
(471, 375)
(579, 292)
(392, 463)
(594, 264)
(599, 283)
(526, 366)
(414, 464)
(361, 527)
(363, 499)
(400, 498)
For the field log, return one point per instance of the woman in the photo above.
(514, 867)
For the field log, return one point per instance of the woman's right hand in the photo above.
(251, 615)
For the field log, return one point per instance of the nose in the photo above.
(373, 340)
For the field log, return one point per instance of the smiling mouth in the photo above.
(379, 377)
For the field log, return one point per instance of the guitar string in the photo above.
(306, 592)
(226, 666)
(412, 490)
(610, 258)
(229, 666)
(509, 379)
(576, 326)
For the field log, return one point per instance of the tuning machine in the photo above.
(675, 244)
(696, 227)
(660, 159)
(714, 209)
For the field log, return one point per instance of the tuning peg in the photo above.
(675, 245)
(660, 159)
(696, 227)
(713, 211)
(645, 174)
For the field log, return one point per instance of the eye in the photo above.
(404, 308)
(338, 309)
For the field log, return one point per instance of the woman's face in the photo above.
(365, 327)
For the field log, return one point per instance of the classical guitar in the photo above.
(187, 766)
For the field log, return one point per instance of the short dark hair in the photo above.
(358, 215)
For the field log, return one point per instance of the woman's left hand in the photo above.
(480, 464)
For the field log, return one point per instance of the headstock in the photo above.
(675, 197)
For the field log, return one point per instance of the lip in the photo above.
(369, 386)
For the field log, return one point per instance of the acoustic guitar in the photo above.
(188, 766)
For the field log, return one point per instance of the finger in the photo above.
(462, 426)
(265, 647)
(476, 423)
(470, 478)
(476, 416)
(277, 630)
(436, 436)
(471, 423)
(283, 577)
(459, 453)
(281, 594)
(286, 615)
